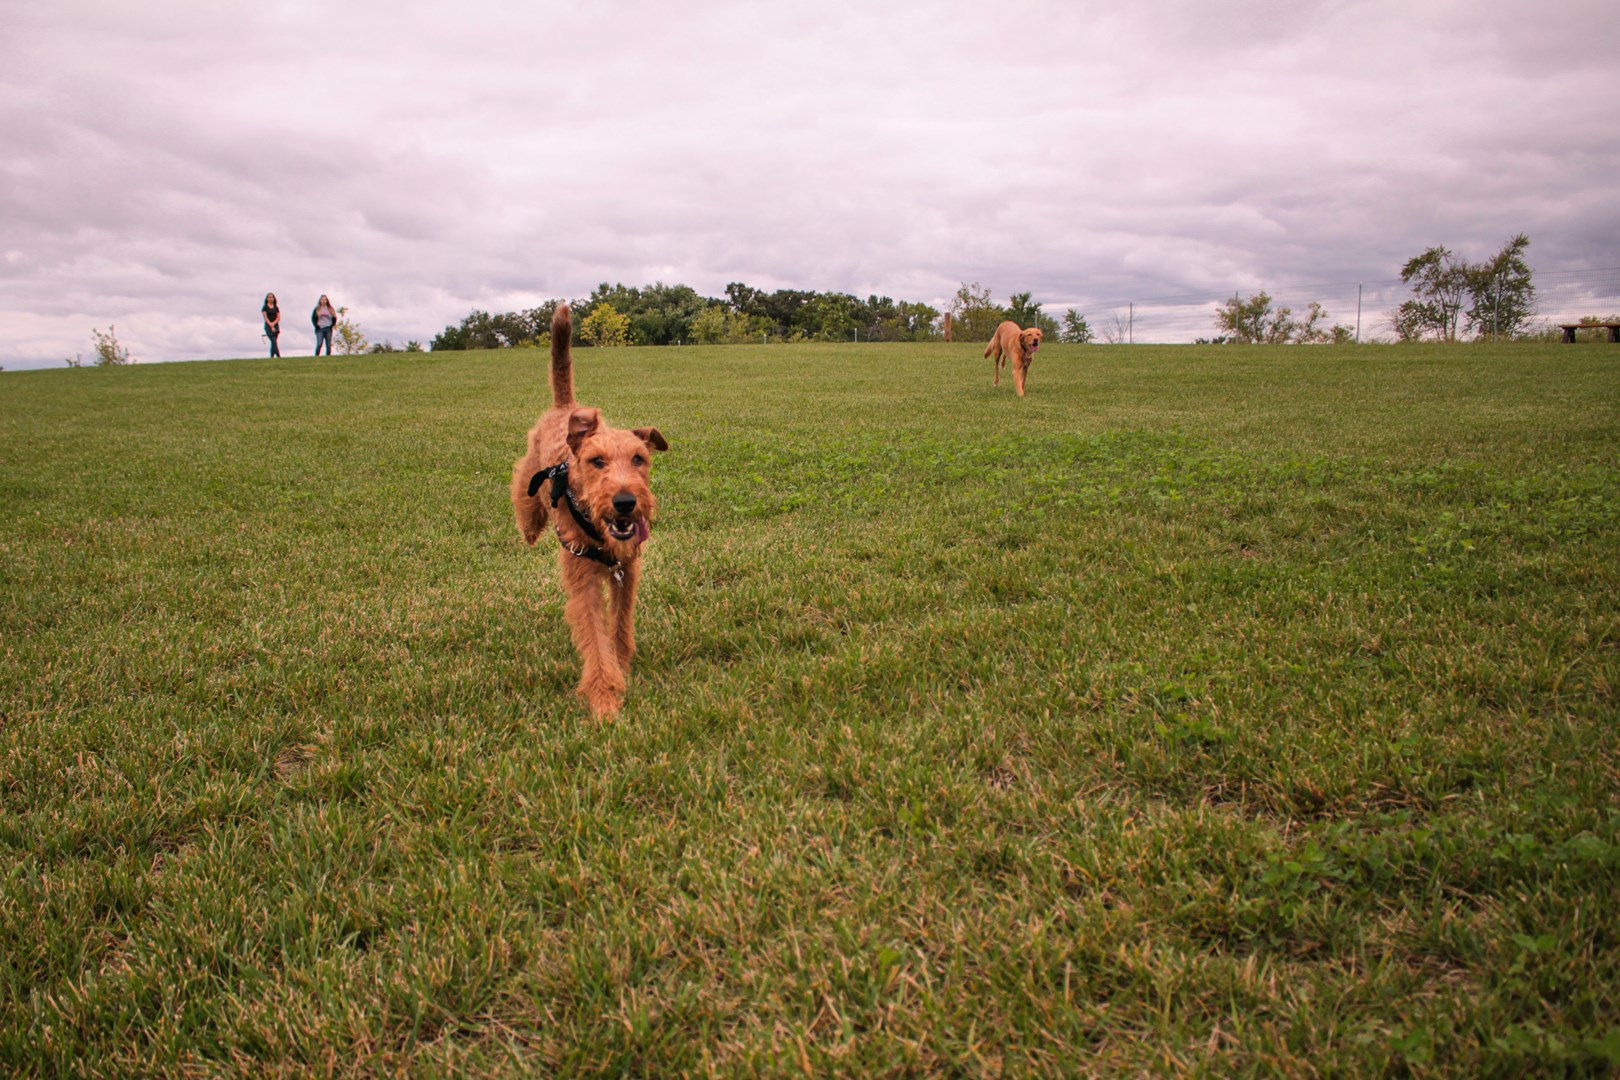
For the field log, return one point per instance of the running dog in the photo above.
(1017, 346)
(600, 476)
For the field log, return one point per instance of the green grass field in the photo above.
(1209, 709)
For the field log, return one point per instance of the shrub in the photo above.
(604, 327)
(1076, 331)
(109, 353)
(348, 336)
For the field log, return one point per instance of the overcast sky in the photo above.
(166, 163)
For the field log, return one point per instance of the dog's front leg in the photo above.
(601, 682)
(623, 595)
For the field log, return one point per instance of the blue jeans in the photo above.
(323, 334)
(275, 350)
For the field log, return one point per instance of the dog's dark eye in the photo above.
(638, 461)
(598, 462)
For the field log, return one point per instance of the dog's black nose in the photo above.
(624, 504)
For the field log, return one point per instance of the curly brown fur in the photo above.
(1011, 344)
(608, 478)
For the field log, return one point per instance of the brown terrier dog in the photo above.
(601, 472)
(1011, 343)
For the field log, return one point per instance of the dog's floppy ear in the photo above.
(651, 437)
(581, 423)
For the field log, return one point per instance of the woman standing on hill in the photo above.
(272, 322)
(323, 318)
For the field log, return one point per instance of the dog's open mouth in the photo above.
(627, 528)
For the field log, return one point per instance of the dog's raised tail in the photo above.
(562, 363)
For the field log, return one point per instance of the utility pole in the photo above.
(1496, 309)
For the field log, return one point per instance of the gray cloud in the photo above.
(168, 164)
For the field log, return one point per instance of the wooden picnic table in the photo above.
(1569, 330)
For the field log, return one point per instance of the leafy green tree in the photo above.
(1075, 329)
(531, 328)
(744, 329)
(1502, 294)
(1439, 283)
(481, 330)
(709, 328)
(1407, 321)
(461, 336)
(744, 298)
(1022, 310)
(901, 320)
(604, 327)
(662, 314)
(921, 321)
(668, 313)
(830, 317)
(451, 337)
(882, 318)
(1310, 331)
(659, 314)
(1254, 322)
(973, 314)
(785, 309)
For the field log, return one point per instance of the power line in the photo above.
(1367, 306)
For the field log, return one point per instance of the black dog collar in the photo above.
(595, 554)
(558, 475)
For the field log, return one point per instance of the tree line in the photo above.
(660, 314)
(1490, 300)
(1493, 299)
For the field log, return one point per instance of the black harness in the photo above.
(558, 475)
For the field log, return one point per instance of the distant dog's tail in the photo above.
(562, 361)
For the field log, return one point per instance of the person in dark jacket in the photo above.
(323, 318)
(272, 322)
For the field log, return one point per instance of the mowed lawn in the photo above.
(1247, 710)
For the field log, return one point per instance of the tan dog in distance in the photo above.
(1018, 347)
(599, 475)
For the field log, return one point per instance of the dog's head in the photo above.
(609, 477)
(1031, 339)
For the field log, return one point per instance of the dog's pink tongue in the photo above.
(642, 532)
